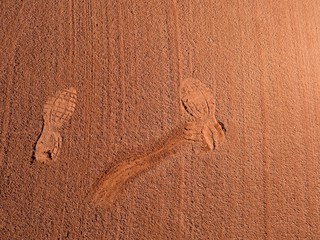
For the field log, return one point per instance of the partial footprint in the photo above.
(57, 111)
(196, 99)
(199, 104)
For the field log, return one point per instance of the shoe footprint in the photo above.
(56, 112)
(199, 104)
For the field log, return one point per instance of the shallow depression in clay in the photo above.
(56, 112)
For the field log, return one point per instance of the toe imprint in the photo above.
(59, 108)
(196, 99)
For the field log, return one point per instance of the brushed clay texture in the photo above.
(159, 119)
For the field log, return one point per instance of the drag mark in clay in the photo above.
(201, 125)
